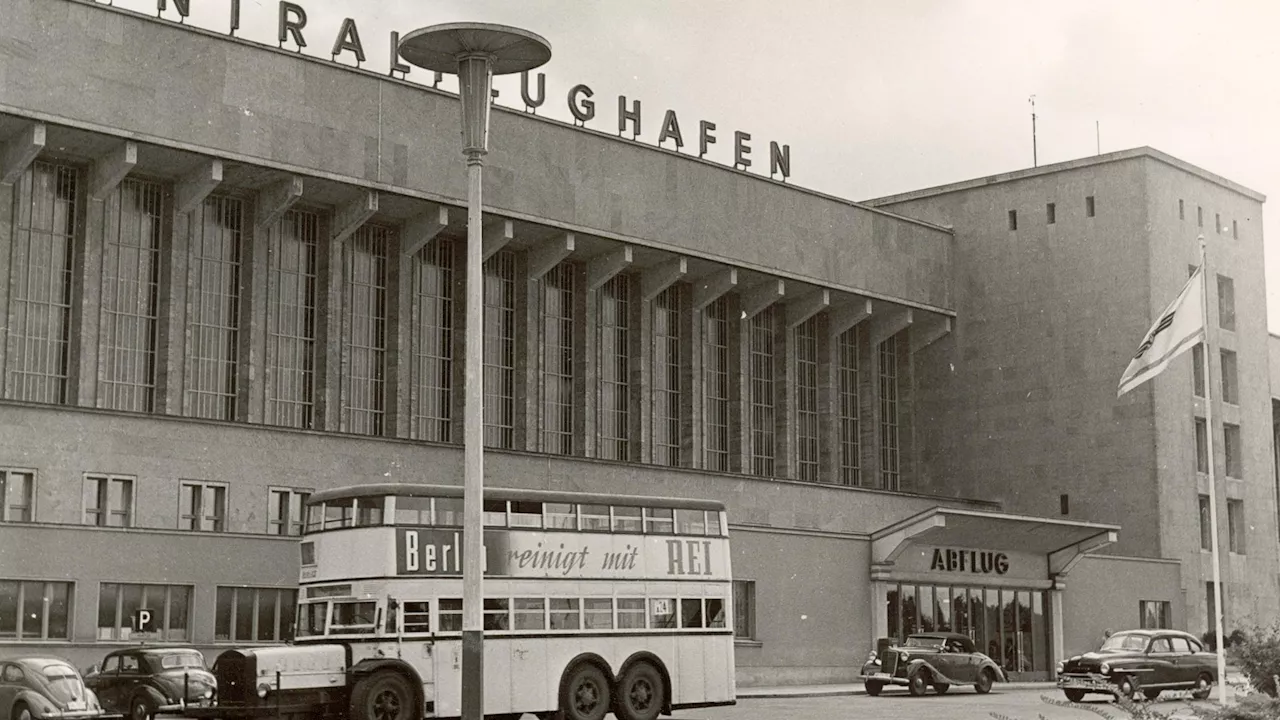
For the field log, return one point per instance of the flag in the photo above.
(1178, 328)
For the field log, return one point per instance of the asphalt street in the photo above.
(963, 704)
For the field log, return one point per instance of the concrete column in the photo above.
(879, 611)
(1057, 646)
(171, 325)
(868, 409)
(692, 408)
(86, 304)
(586, 343)
(253, 378)
(784, 397)
(640, 380)
(8, 198)
(399, 389)
(528, 360)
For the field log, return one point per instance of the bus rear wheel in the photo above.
(641, 693)
(384, 695)
(586, 695)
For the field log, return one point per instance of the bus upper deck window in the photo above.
(338, 516)
(594, 517)
(626, 519)
(691, 522)
(713, 524)
(526, 513)
(659, 520)
(413, 511)
(449, 512)
(561, 516)
(369, 511)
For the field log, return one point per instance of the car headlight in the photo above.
(263, 689)
(903, 657)
(871, 656)
(1105, 668)
(1061, 666)
(208, 694)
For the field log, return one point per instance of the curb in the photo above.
(802, 692)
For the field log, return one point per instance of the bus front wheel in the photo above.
(586, 696)
(384, 695)
(641, 693)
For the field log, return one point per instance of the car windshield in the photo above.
(181, 660)
(64, 683)
(1125, 641)
(930, 642)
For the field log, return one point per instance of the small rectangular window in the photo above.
(526, 513)
(565, 614)
(1064, 504)
(108, 501)
(1182, 215)
(1217, 223)
(529, 614)
(561, 516)
(1235, 230)
(497, 614)
(659, 521)
(1051, 213)
(627, 519)
(1230, 378)
(631, 613)
(1199, 216)
(450, 614)
(691, 613)
(1202, 446)
(204, 507)
(17, 490)
(1235, 526)
(594, 517)
(662, 613)
(1206, 526)
(1088, 206)
(417, 617)
(1154, 614)
(597, 614)
(1013, 219)
(285, 512)
(1226, 303)
(1197, 370)
(1232, 450)
(495, 513)
(744, 609)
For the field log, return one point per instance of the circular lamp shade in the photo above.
(439, 47)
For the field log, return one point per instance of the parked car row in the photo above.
(1132, 664)
(138, 682)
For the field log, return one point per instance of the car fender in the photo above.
(40, 705)
(994, 667)
(156, 697)
(938, 676)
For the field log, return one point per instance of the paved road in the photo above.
(957, 705)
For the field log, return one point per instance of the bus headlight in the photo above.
(263, 689)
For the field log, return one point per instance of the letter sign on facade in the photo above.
(982, 562)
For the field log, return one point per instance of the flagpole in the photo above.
(1219, 611)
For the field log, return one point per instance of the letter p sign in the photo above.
(142, 621)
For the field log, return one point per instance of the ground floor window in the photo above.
(35, 610)
(254, 614)
(119, 603)
(1009, 625)
(744, 609)
(1153, 614)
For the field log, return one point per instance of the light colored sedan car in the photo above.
(35, 688)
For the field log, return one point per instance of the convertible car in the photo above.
(937, 660)
(1141, 662)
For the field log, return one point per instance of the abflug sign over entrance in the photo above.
(292, 24)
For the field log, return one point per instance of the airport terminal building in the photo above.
(232, 276)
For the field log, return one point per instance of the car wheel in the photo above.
(586, 695)
(1074, 695)
(874, 687)
(140, 708)
(641, 693)
(1204, 686)
(1127, 687)
(918, 682)
(941, 688)
(985, 680)
(1151, 693)
(22, 712)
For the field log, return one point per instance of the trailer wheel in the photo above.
(384, 695)
(586, 694)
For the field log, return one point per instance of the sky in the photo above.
(885, 96)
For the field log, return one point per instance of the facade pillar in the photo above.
(86, 304)
(1058, 641)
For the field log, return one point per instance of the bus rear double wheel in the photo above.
(640, 693)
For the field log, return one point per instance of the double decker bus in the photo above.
(592, 604)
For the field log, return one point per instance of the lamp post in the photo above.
(475, 52)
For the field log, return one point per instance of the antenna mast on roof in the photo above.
(1035, 162)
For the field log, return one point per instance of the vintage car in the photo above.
(1141, 662)
(925, 660)
(34, 688)
(142, 681)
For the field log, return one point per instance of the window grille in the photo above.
(500, 350)
(614, 367)
(433, 307)
(807, 432)
(295, 245)
(715, 384)
(213, 299)
(133, 220)
(666, 377)
(365, 302)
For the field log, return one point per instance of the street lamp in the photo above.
(475, 52)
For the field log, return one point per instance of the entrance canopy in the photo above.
(1063, 541)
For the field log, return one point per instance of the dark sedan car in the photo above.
(34, 688)
(142, 681)
(1141, 662)
(937, 660)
